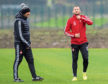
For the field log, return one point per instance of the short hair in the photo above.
(76, 6)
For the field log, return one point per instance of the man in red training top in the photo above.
(76, 29)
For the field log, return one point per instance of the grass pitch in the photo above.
(54, 64)
(61, 22)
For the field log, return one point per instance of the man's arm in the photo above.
(86, 20)
(67, 29)
(19, 32)
(68, 32)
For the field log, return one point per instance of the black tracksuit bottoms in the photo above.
(83, 48)
(27, 53)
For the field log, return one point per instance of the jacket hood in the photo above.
(20, 15)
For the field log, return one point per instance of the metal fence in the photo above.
(56, 14)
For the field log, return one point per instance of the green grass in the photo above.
(61, 22)
(55, 66)
(97, 21)
(53, 23)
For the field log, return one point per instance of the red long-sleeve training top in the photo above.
(75, 26)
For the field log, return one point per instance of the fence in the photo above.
(56, 15)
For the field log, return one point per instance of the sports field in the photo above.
(61, 22)
(54, 64)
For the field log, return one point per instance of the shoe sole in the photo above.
(18, 81)
(38, 80)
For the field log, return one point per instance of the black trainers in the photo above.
(18, 80)
(38, 78)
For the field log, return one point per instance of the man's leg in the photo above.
(84, 52)
(18, 59)
(75, 51)
(30, 61)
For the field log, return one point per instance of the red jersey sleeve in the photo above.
(68, 30)
(86, 20)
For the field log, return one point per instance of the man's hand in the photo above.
(77, 35)
(28, 47)
(78, 17)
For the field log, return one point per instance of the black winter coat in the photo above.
(21, 30)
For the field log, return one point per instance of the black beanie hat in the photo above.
(24, 8)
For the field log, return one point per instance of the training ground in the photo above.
(54, 65)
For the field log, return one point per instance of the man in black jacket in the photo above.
(22, 43)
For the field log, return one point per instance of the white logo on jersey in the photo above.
(74, 23)
(80, 21)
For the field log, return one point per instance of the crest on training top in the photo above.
(74, 23)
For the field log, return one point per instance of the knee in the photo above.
(75, 60)
(20, 61)
(85, 56)
(17, 60)
(85, 60)
(31, 61)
